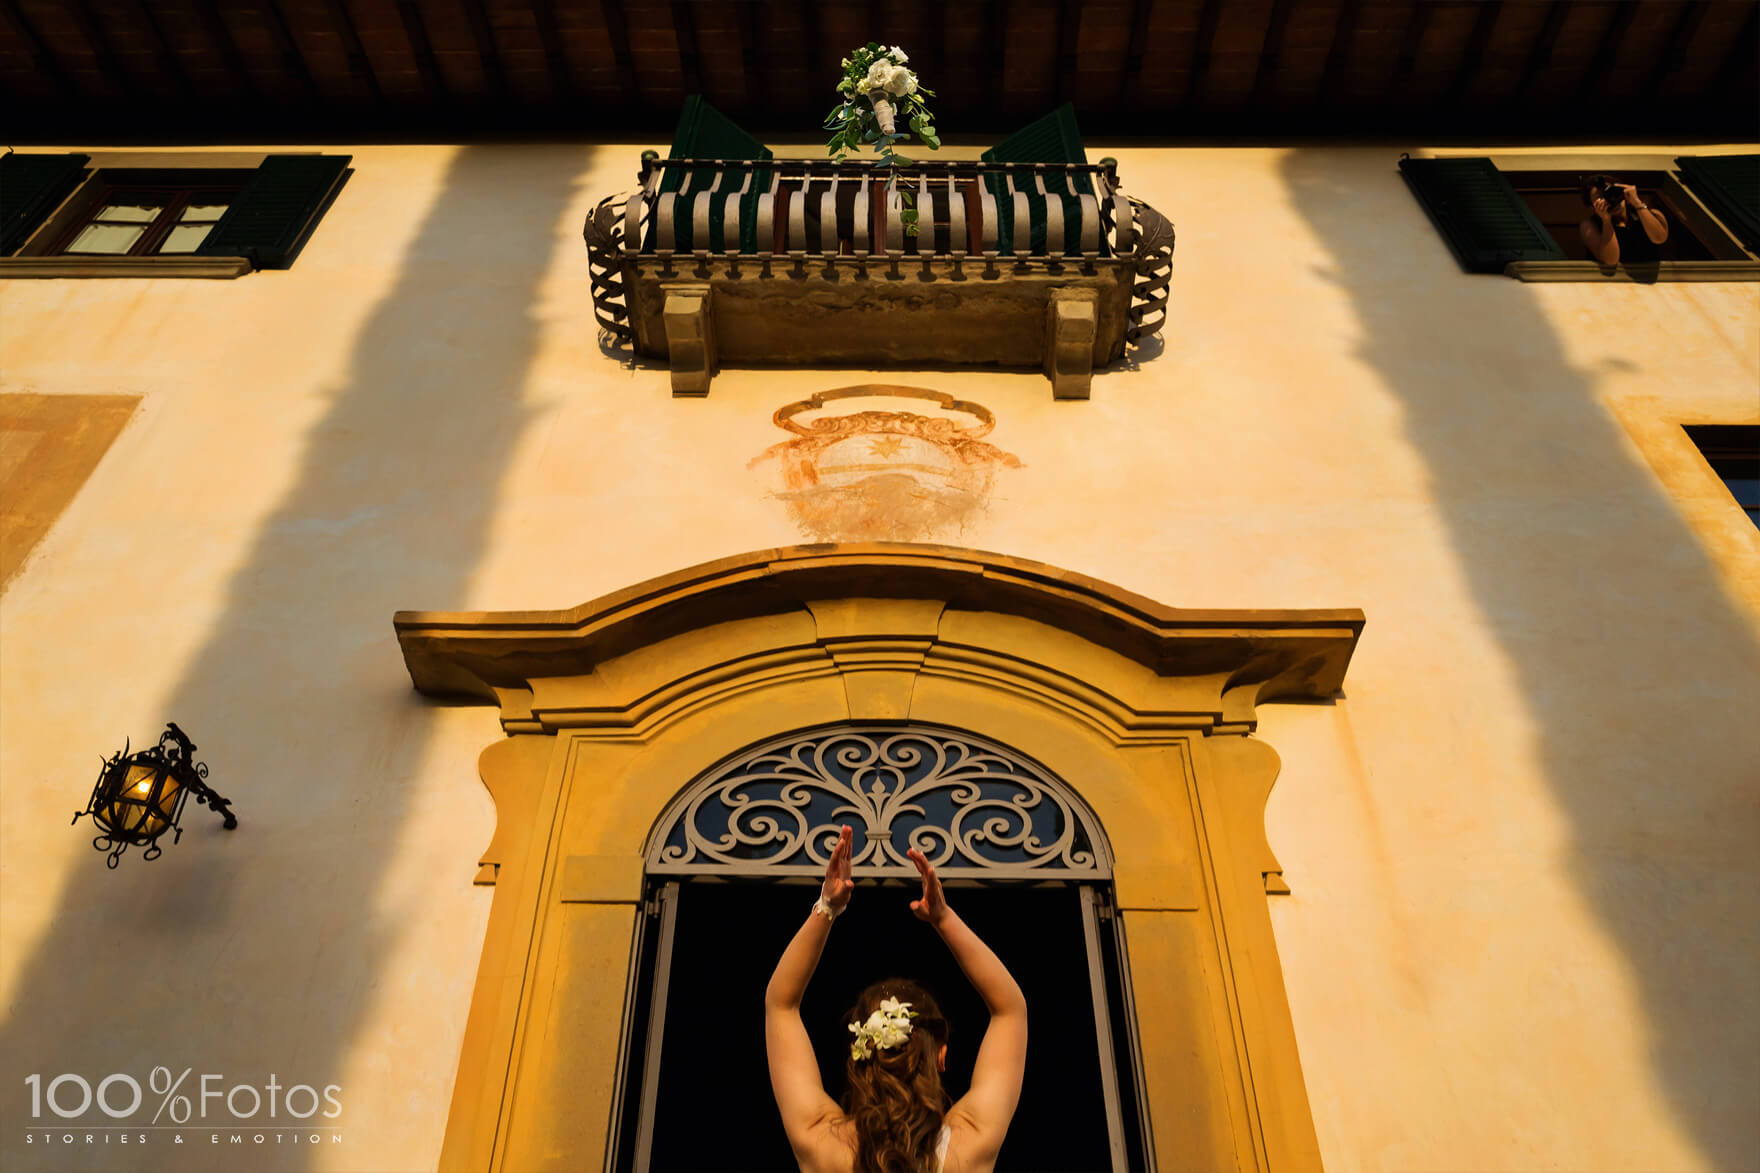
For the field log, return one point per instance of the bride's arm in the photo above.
(794, 1069)
(988, 1107)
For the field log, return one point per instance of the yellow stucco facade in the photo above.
(1518, 932)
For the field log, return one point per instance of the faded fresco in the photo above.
(885, 475)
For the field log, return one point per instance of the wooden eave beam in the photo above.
(811, 36)
(46, 62)
(292, 59)
(1607, 51)
(1069, 32)
(1275, 33)
(1130, 79)
(995, 32)
(684, 33)
(1483, 23)
(422, 49)
(1203, 46)
(360, 66)
(1686, 24)
(1545, 41)
(102, 51)
(1740, 56)
(494, 76)
(751, 33)
(617, 32)
(1344, 30)
(162, 51)
(217, 32)
(937, 48)
(1411, 40)
(561, 76)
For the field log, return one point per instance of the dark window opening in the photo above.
(1733, 452)
(714, 1109)
(143, 213)
(1556, 201)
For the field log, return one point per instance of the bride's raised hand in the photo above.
(838, 887)
(933, 904)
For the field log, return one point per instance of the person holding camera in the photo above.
(1624, 229)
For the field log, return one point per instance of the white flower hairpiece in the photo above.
(887, 1027)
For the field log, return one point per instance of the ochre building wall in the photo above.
(1519, 933)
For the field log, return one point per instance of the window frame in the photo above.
(1658, 188)
(1730, 449)
(668, 870)
(280, 197)
(106, 186)
(1732, 262)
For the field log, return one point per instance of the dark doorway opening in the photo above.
(713, 1107)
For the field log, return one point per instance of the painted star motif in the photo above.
(887, 446)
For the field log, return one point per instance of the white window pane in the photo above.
(185, 237)
(204, 212)
(107, 238)
(134, 211)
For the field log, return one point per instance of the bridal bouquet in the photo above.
(882, 107)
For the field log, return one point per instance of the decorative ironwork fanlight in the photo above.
(976, 809)
(139, 796)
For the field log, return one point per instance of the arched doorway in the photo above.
(733, 861)
(608, 707)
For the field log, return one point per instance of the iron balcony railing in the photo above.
(772, 217)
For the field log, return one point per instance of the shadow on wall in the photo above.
(1629, 655)
(262, 952)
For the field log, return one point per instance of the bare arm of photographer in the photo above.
(1655, 227)
(986, 1109)
(1598, 234)
(794, 1069)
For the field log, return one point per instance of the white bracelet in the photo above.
(825, 910)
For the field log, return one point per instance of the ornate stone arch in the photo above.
(609, 707)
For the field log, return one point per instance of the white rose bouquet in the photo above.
(882, 106)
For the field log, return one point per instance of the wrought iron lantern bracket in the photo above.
(139, 796)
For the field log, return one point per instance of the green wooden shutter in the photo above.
(1480, 215)
(31, 187)
(1054, 138)
(1730, 186)
(706, 133)
(272, 216)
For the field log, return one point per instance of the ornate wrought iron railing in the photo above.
(775, 217)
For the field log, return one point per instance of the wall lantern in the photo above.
(139, 796)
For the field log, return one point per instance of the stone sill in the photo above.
(1644, 275)
(217, 268)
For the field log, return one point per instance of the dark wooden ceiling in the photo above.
(219, 70)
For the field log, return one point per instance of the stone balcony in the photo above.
(804, 262)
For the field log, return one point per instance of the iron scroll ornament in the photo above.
(975, 809)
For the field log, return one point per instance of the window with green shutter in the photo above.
(170, 221)
(31, 187)
(277, 209)
(1484, 221)
(1054, 138)
(706, 133)
(1729, 185)
(1525, 222)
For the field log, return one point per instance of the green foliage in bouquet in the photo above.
(882, 107)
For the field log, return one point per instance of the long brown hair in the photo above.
(894, 1096)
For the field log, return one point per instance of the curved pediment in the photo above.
(929, 600)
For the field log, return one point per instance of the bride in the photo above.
(894, 1116)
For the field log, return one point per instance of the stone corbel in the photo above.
(1072, 321)
(690, 338)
